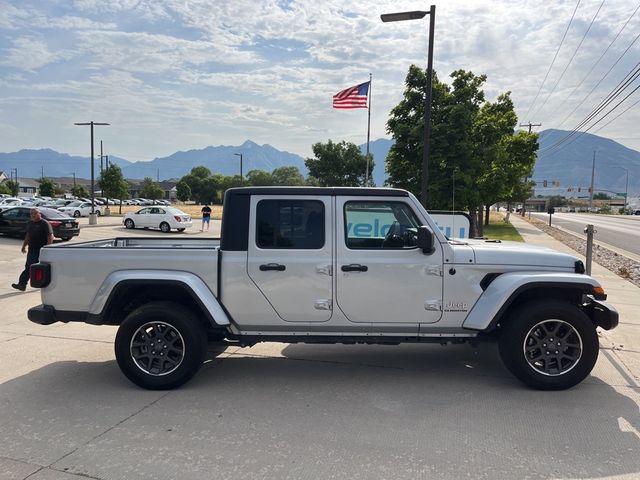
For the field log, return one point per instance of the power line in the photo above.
(619, 115)
(599, 59)
(572, 57)
(622, 86)
(554, 58)
(601, 80)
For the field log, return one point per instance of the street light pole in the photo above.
(92, 216)
(240, 155)
(626, 186)
(416, 15)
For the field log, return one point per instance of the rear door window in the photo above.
(290, 224)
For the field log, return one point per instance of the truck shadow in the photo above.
(351, 411)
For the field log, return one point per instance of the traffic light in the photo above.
(589, 189)
(579, 189)
(544, 183)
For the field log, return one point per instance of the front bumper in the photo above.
(603, 314)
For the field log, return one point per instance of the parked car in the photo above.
(637, 212)
(14, 222)
(80, 209)
(10, 201)
(164, 218)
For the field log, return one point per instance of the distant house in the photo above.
(3, 176)
(27, 187)
(168, 187)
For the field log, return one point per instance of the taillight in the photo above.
(40, 275)
(55, 223)
(178, 218)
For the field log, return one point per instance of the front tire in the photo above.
(76, 214)
(128, 223)
(165, 227)
(550, 345)
(160, 346)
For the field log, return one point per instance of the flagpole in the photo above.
(366, 183)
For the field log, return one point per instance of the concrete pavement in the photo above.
(624, 341)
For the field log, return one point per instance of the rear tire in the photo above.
(180, 229)
(165, 227)
(65, 239)
(160, 346)
(550, 345)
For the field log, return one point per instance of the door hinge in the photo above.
(324, 269)
(433, 305)
(322, 304)
(435, 270)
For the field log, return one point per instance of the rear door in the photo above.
(290, 255)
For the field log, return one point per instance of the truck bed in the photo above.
(82, 272)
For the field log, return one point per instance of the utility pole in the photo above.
(530, 125)
(593, 171)
(92, 216)
(101, 156)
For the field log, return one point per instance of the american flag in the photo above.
(352, 97)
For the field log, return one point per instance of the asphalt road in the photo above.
(620, 231)
(279, 411)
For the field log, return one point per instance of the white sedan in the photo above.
(79, 208)
(164, 218)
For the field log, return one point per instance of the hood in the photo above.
(490, 252)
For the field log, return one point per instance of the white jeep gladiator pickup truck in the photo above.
(325, 265)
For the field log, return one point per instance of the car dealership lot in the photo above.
(294, 411)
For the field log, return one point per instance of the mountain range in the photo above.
(570, 165)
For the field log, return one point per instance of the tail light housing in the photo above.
(40, 275)
(55, 223)
(178, 218)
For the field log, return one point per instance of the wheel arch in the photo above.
(124, 291)
(508, 291)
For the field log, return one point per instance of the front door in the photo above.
(381, 275)
(290, 253)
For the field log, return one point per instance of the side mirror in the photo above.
(425, 240)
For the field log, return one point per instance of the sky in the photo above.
(170, 75)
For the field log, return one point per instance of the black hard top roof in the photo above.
(320, 191)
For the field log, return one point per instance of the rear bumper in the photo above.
(46, 315)
(603, 314)
(42, 314)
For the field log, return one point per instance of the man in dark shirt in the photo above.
(39, 234)
(206, 217)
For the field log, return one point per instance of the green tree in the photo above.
(13, 186)
(259, 178)
(183, 191)
(4, 189)
(47, 188)
(601, 196)
(225, 183)
(151, 189)
(289, 176)
(112, 183)
(337, 164)
(202, 186)
(79, 191)
(475, 157)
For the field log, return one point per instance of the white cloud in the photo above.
(175, 72)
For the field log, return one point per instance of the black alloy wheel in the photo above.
(549, 345)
